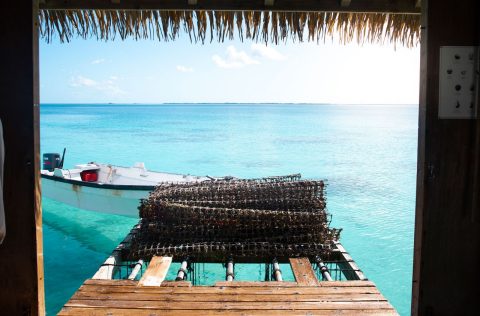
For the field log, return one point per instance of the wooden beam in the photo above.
(399, 6)
(156, 272)
(348, 265)
(303, 272)
(269, 3)
(37, 207)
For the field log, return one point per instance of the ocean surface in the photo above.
(367, 154)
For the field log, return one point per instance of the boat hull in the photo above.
(106, 198)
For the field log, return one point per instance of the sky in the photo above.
(149, 71)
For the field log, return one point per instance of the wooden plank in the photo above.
(227, 305)
(67, 311)
(354, 283)
(398, 6)
(229, 290)
(177, 283)
(110, 282)
(156, 271)
(188, 297)
(295, 284)
(256, 284)
(133, 283)
(303, 271)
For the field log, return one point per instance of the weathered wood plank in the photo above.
(115, 283)
(303, 271)
(187, 297)
(355, 283)
(110, 282)
(111, 297)
(229, 290)
(399, 6)
(295, 284)
(256, 284)
(228, 305)
(68, 311)
(156, 272)
(176, 283)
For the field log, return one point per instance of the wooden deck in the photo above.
(306, 296)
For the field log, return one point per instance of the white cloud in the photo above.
(267, 52)
(107, 86)
(98, 61)
(184, 68)
(234, 59)
(81, 81)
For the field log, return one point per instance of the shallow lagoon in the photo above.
(367, 154)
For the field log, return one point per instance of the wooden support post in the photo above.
(447, 175)
(182, 272)
(21, 253)
(156, 272)
(136, 270)
(303, 271)
(277, 273)
(323, 269)
(230, 274)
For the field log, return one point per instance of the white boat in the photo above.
(107, 188)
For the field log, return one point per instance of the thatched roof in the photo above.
(269, 26)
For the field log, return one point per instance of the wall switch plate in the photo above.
(459, 82)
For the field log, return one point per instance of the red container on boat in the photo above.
(89, 175)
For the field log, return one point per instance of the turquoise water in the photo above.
(367, 153)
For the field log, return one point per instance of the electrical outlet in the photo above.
(459, 82)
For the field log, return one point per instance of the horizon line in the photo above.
(218, 103)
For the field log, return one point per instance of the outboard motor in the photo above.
(51, 161)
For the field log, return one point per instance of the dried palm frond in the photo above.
(263, 26)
